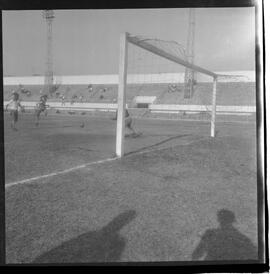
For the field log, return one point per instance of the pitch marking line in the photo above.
(203, 122)
(90, 164)
(59, 172)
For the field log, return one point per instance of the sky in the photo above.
(87, 41)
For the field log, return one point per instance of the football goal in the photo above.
(151, 71)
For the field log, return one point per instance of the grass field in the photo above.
(159, 203)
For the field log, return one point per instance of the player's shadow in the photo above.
(225, 242)
(104, 245)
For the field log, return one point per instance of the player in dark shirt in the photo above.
(41, 107)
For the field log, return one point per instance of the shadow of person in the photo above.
(104, 245)
(225, 242)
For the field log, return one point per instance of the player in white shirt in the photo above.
(14, 105)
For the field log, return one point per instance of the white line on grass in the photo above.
(193, 120)
(59, 172)
(90, 164)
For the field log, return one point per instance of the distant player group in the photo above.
(14, 105)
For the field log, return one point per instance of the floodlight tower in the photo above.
(189, 74)
(49, 16)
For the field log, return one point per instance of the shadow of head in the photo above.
(104, 245)
(226, 218)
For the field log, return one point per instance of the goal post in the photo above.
(121, 102)
(214, 103)
(172, 55)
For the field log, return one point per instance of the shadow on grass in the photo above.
(158, 144)
(225, 242)
(104, 245)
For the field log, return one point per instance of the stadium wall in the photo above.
(152, 107)
(246, 76)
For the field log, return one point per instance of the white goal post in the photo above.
(125, 39)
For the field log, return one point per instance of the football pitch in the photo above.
(69, 200)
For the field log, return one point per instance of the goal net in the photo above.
(151, 80)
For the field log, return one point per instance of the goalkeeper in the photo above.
(128, 123)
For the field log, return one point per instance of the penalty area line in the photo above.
(59, 172)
